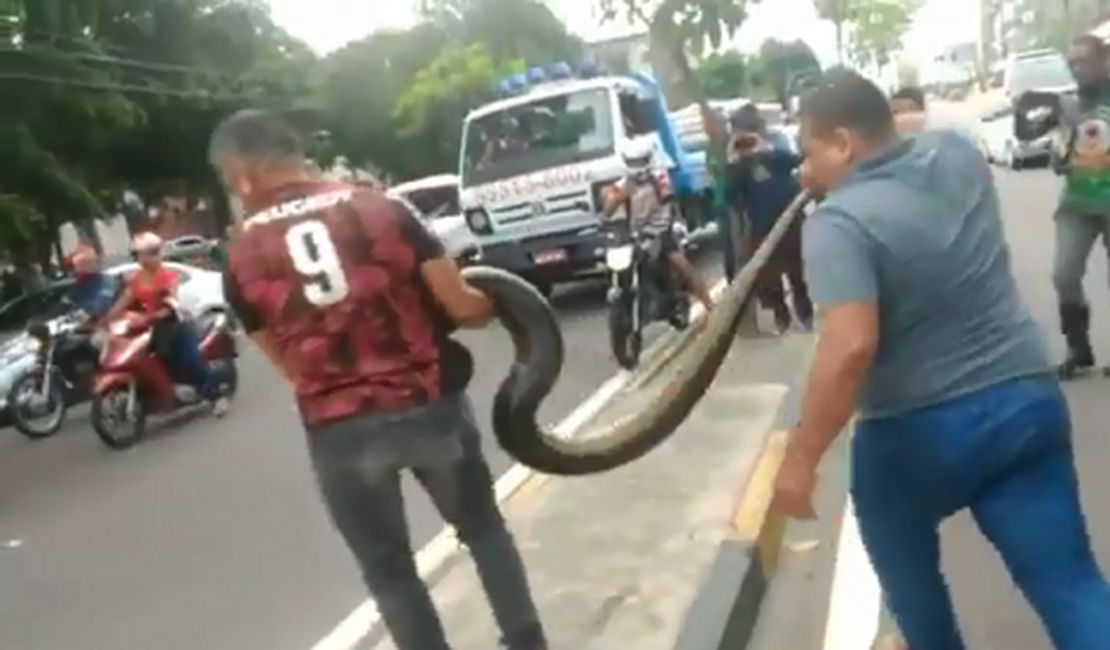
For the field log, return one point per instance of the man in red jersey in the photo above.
(354, 301)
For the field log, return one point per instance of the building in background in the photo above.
(956, 64)
(1001, 30)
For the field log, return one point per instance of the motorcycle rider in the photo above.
(149, 291)
(1083, 212)
(645, 196)
(93, 292)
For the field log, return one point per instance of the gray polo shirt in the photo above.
(918, 231)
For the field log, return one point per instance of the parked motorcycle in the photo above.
(133, 383)
(643, 289)
(66, 362)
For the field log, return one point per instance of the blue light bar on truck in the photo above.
(561, 70)
(536, 75)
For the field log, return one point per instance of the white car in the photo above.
(996, 138)
(200, 292)
(437, 199)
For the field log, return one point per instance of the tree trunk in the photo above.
(716, 156)
(839, 42)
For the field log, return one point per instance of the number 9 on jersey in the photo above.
(314, 256)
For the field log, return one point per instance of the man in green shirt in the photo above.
(1082, 157)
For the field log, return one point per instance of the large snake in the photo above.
(538, 341)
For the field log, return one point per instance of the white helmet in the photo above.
(146, 242)
(638, 155)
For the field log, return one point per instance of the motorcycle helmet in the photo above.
(639, 158)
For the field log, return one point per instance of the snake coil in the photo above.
(540, 353)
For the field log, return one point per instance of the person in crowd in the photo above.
(93, 292)
(151, 290)
(1083, 212)
(907, 100)
(354, 301)
(926, 339)
(761, 180)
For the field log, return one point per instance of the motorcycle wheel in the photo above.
(24, 420)
(625, 342)
(117, 429)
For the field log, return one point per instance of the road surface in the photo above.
(993, 613)
(211, 536)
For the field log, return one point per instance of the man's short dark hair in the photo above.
(847, 100)
(747, 119)
(911, 94)
(257, 136)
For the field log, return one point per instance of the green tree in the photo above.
(877, 30)
(396, 100)
(431, 109)
(111, 95)
(786, 66)
(1053, 23)
(725, 75)
(841, 14)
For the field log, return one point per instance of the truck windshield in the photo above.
(527, 138)
(1039, 73)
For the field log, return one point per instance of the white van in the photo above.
(1045, 70)
(437, 199)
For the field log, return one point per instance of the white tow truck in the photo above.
(533, 166)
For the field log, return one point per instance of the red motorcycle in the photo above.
(133, 383)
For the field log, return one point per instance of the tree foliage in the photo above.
(725, 75)
(103, 96)
(787, 66)
(868, 32)
(396, 99)
(877, 29)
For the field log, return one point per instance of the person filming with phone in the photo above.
(760, 182)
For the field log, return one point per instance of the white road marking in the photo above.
(855, 603)
(357, 625)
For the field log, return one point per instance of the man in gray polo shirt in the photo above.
(926, 335)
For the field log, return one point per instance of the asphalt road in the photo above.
(211, 535)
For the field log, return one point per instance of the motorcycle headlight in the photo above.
(478, 221)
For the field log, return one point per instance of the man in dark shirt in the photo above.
(760, 180)
(354, 301)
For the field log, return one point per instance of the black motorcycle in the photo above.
(62, 376)
(644, 289)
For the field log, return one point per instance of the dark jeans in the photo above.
(182, 351)
(786, 261)
(358, 463)
(1004, 453)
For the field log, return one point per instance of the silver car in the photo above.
(200, 292)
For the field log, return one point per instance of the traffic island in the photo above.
(647, 555)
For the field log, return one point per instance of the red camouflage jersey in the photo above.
(332, 273)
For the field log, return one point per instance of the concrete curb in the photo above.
(726, 610)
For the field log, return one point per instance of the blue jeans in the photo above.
(1005, 453)
(191, 365)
